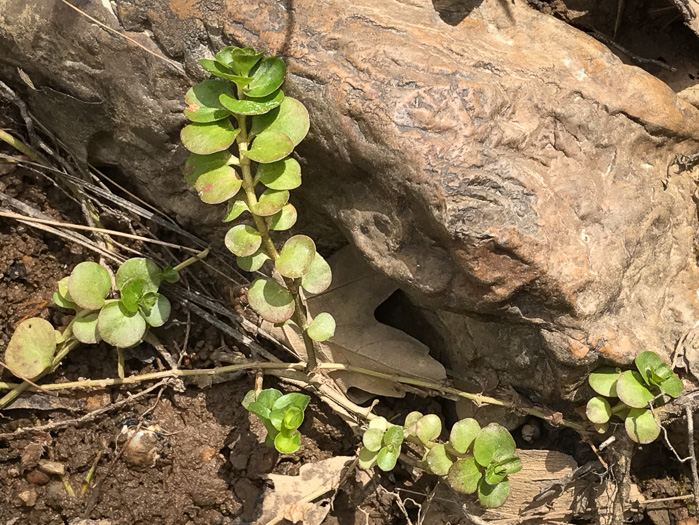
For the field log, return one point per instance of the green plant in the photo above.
(242, 131)
(281, 414)
(635, 389)
(474, 459)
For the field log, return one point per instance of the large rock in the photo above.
(507, 171)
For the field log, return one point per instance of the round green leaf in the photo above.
(236, 207)
(641, 426)
(219, 70)
(373, 439)
(493, 495)
(603, 381)
(598, 410)
(88, 285)
(243, 240)
(463, 434)
(496, 472)
(240, 60)
(632, 390)
(271, 300)
(646, 363)
(494, 443)
(203, 101)
(284, 218)
(293, 399)
(210, 137)
(253, 262)
(269, 146)
(290, 118)
(281, 175)
(367, 458)
(428, 428)
(379, 422)
(143, 269)
(131, 294)
(322, 327)
(287, 443)
(119, 327)
(386, 459)
(258, 106)
(410, 426)
(85, 327)
(219, 185)
(31, 347)
(464, 476)
(318, 277)
(170, 275)
(393, 437)
(62, 297)
(267, 76)
(197, 165)
(159, 313)
(437, 461)
(296, 256)
(270, 202)
(293, 418)
(672, 386)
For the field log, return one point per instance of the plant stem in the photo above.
(69, 345)
(120, 362)
(198, 257)
(300, 316)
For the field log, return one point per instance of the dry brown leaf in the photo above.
(289, 494)
(360, 340)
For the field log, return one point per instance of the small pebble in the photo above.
(531, 431)
(36, 477)
(52, 467)
(28, 497)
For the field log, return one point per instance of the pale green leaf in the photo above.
(271, 300)
(603, 381)
(203, 101)
(197, 165)
(88, 285)
(119, 327)
(318, 277)
(322, 327)
(632, 390)
(221, 71)
(641, 426)
(437, 461)
(464, 476)
(283, 219)
(243, 240)
(270, 202)
(258, 106)
(290, 118)
(269, 146)
(253, 262)
(207, 138)
(159, 313)
(268, 75)
(493, 495)
(280, 175)
(140, 268)
(598, 410)
(494, 443)
(296, 256)
(219, 185)
(85, 327)
(463, 434)
(31, 347)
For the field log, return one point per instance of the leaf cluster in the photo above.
(474, 459)
(634, 390)
(241, 121)
(281, 414)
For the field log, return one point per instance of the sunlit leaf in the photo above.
(632, 390)
(290, 118)
(203, 101)
(373, 439)
(131, 294)
(318, 277)
(159, 313)
(219, 70)
(463, 434)
(268, 75)
(281, 175)
(603, 381)
(493, 495)
(88, 285)
(428, 428)
(271, 300)
(253, 262)
(170, 275)
(598, 410)
(380, 423)
(494, 443)
(258, 106)
(85, 327)
(672, 386)
(240, 60)
(119, 327)
(296, 256)
(464, 476)
(243, 240)
(646, 363)
(367, 458)
(284, 218)
(393, 437)
(269, 146)
(410, 425)
(437, 461)
(197, 165)
(322, 327)
(31, 347)
(210, 137)
(294, 399)
(219, 185)
(236, 207)
(270, 202)
(641, 426)
(287, 443)
(386, 459)
(140, 268)
(62, 296)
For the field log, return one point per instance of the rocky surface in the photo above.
(506, 169)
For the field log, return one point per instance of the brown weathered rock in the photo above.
(507, 171)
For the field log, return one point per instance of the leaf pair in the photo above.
(281, 414)
(635, 389)
(382, 445)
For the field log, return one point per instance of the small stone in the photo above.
(207, 453)
(28, 497)
(37, 477)
(52, 467)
